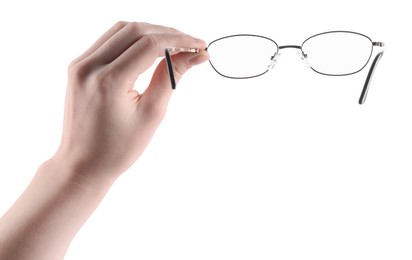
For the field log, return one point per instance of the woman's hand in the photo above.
(108, 124)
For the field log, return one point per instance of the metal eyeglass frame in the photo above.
(366, 85)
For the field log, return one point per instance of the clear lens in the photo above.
(338, 53)
(242, 56)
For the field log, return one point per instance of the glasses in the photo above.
(334, 53)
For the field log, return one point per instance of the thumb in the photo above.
(181, 64)
(160, 88)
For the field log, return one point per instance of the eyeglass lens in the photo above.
(241, 56)
(338, 53)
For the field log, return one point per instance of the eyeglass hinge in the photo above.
(380, 44)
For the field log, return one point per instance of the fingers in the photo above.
(144, 52)
(128, 49)
(106, 36)
(124, 38)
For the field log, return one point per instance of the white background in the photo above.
(285, 166)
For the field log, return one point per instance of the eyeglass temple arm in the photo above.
(365, 89)
(169, 63)
(169, 66)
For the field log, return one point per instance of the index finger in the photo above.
(144, 52)
(123, 39)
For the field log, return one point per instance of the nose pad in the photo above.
(273, 60)
(303, 57)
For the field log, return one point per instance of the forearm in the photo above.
(44, 220)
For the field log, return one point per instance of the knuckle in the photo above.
(78, 71)
(120, 24)
(148, 41)
(137, 27)
(174, 30)
(83, 75)
(103, 78)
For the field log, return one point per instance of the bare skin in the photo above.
(107, 126)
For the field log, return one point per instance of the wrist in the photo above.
(77, 172)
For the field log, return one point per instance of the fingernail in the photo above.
(199, 58)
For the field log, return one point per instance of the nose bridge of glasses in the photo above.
(299, 52)
(289, 46)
